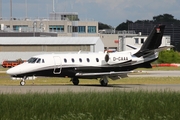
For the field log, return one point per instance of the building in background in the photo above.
(172, 29)
(117, 40)
(63, 23)
(13, 48)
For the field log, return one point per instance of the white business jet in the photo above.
(92, 65)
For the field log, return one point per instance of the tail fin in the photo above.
(153, 41)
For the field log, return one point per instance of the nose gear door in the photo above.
(57, 65)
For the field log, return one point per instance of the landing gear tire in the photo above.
(22, 82)
(75, 81)
(103, 83)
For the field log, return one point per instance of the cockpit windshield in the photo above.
(35, 60)
(32, 60)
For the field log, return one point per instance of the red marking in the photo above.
(158, 30)
(116, 41)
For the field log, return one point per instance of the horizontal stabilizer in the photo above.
(163, 48)
(133, 47)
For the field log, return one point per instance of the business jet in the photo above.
(92, 65)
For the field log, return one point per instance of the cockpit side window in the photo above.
(32, 60)
(38, 61)
(43, 61)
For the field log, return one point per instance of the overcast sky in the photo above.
(111, 12)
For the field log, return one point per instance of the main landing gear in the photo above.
(75, 80)
(103, 81)
(23, 82)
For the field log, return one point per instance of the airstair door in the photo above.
(57, 65)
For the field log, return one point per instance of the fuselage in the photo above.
(62, 65)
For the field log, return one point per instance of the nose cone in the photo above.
(10, 71)
(13, 71)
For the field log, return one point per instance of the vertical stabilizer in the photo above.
(153, 41)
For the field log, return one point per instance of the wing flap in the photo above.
(119, 76)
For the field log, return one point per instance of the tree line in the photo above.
(167, 56)
(156, 19)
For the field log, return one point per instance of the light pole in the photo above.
(0, 9)
(34, 26)
(11, 9)
(26, 8)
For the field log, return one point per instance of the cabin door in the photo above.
(57, 65)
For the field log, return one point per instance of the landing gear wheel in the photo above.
(75, 81)
(22, 82)
(103, 83)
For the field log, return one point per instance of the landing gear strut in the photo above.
(23, 82)
(75, 81)
(104, 81)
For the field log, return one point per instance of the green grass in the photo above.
(3, 69)
(115, 105)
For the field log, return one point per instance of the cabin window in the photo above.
(65, 60)
(73, 60)
(80, 60)
(97, 60)
(88, 60)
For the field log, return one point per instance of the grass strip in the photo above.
(115, 105)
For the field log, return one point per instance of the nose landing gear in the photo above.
(23, 82)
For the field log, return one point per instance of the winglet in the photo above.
(153, 41)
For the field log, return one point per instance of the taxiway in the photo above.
(98, 88)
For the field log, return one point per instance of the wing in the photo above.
(113, 75)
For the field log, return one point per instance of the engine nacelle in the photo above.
(117, 58)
